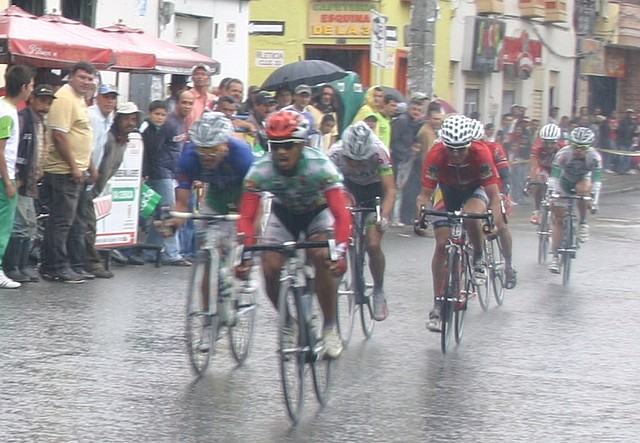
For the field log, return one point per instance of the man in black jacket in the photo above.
(31, 152)
(626, 131)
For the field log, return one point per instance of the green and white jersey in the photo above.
(301, 192)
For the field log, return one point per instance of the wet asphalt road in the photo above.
(105, 361)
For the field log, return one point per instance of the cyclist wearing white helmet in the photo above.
(216, 158)
(542, 153)
(467, 176)
(502, 166)
(365, 164)
(576, 169)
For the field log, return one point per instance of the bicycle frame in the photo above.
(457, 282)
(569, 245)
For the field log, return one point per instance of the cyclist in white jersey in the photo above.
(576, 169)
(365, 164)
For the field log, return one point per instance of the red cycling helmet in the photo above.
(285, 126)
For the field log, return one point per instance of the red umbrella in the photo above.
(446, 107)
(127, 55)
(24, 39)
(170, 58)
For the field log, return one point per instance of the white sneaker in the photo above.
(479, 272)
(554, 266)
(6, 282)
(332, 343)
(583, 232)
(435, 321)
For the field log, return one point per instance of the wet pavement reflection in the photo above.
(105, 361)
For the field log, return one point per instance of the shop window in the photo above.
(471, 101)
(35, 7)
(84, 12)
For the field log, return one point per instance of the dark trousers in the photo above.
(82, 237)
(63, 196)
(409, 194)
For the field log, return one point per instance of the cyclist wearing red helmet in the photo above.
(307, 197)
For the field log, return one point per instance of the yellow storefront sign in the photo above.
(350, 19)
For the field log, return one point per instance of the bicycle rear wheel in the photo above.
(448, 302)
(465, 288)
(482, 291)
(320, 363)
(565, 264)
(241, 332)
(543, 236)
(201, 324)
(346, 303)
(496, 271)
(292, 355)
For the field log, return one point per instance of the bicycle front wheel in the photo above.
(346, 303)
(448, 302)
(291, 337)
(201, 324)
(364, 292)
(241, 331)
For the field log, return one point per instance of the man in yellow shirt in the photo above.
(66, 173)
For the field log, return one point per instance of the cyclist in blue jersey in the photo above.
(217, 159)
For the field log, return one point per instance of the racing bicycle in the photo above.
(216, 299)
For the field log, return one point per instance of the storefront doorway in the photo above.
(349, 58)
(602, 93)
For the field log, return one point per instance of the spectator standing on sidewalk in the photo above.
(66, 171)
(202, 98)
(161, 178)
(19, 84)
(404, 150)
(127, 120)
(626, 131)
(31, 152)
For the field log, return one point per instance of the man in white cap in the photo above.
(127, 120)
(201, 77)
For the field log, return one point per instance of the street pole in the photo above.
(421, 46)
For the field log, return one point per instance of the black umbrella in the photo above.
(309, 72)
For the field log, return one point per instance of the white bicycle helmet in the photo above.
(358, 141)
(581, 136)
(550, 132)
(478, 129)
(212, 129)
(456, 131)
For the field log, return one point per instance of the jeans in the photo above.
(171, 251)
(7, 214)
(25, 224)
(518, 179)
(187, 233)
(63, 195)
(622, 162)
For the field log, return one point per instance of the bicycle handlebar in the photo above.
(455, 215)
(375, 208)
(207, 217)
(557, 196)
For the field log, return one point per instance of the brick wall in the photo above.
(629, 87)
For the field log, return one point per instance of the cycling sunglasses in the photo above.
(287, 146)
(457, 149)
(211, 151)
(580, 147)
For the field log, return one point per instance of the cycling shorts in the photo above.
(284, 225)
(454, 200)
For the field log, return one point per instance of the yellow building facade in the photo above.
(340, 31)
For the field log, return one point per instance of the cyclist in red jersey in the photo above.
(503, 232)
(465, 172)
(542, 153)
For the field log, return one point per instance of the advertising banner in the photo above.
(118, 206)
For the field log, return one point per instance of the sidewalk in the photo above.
(613, 184)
